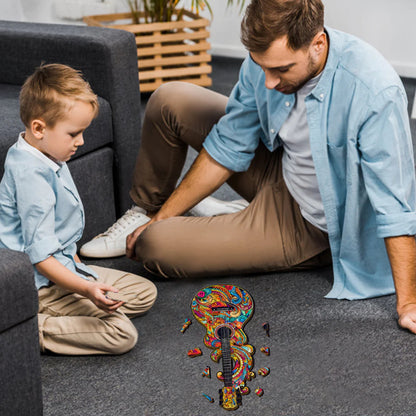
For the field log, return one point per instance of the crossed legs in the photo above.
(269, 235)
(71, 324)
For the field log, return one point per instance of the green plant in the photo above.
(164, 10)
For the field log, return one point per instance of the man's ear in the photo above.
(319, 42)
(37, 128)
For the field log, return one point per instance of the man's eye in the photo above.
(278, 71)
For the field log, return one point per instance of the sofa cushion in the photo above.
(18, 294)
(93, 176)
(99, 134)
(9, 119)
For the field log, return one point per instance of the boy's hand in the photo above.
(96, 294)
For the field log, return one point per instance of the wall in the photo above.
(388, 25)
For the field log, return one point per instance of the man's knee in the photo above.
(150, 244)
(157, 247)
(167, 98)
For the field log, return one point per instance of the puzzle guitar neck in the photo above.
(230, 397)
(223, 311)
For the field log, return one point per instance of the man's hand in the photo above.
(407, 317)
(95, 292)
(132, 238)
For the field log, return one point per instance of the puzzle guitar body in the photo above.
(224, 310)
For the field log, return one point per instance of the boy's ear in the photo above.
(37, 128)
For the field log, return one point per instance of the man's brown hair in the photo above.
(50, 91)
(268, 20)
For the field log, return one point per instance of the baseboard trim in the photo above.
(405, 69)
(229, 51)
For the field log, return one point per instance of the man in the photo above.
(315, 135)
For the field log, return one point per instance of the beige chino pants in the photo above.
(71, 324)
(269, 235)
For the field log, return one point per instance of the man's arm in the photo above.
(402, 255)
(204, 177)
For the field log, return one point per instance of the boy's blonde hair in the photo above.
(49, 92)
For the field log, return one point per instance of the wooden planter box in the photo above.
(166, 51)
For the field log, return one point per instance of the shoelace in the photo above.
(121, 224)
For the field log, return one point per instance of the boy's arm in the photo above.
(36, 211)
(63, 277)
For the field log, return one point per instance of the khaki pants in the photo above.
(71, 324)
(269, 235)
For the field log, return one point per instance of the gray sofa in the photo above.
(101, 169)
(20, 391)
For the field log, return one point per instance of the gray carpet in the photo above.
(327, 358)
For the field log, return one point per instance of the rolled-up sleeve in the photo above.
(234, 139)
(388, 165)
(37, 213)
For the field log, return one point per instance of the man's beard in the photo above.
(291, 88)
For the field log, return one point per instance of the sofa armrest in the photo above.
(108, 60)
(21, 390)
(18, 294)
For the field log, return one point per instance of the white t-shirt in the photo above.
(298, 167)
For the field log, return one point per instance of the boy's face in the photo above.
(61, 142)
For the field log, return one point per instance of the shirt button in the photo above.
(321, 95)
(272, 131)
(287, 103)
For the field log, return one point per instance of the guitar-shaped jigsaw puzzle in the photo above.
(223, 311)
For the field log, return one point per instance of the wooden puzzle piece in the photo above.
(195, 352)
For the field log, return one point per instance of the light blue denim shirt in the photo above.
(362, 151)
(41, 212)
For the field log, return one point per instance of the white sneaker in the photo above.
(211, 206)
(112, 243)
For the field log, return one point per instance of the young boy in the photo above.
(42, 215)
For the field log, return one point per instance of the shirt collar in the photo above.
(22, 144)
(332, 61)
(309, 86)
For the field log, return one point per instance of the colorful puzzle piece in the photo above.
(251, 375)
(264, 371)
(265, 350)
(195, 352)
(186, 325)
(259, 392)
(266, 327)
(207, 372)
(209, 398)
